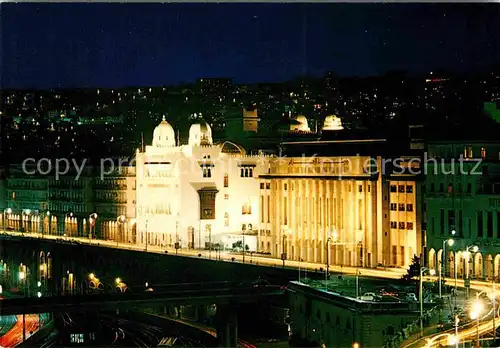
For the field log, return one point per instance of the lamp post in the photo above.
(333, 237)
(474, 249)
(284, 236)
(177, 244)
(421, 297)
(27, 213)
(6, 212)
(92, 221)
(146, 232)
(477, 309)
(450, 243)
(47, 214)
(121, 221)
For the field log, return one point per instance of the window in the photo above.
(409, 207)
(394, 206)
(261, 208)
(401, 225)
(226, 219)
(246, 209)
(393, 188)
(483, 153)
(409, 225)
(479, 218)
(285, 208)
(369, 187)
(268, 185)
(226, 196)
(498, 224)
(489, 224)
(441, 221)
(261, 185)
(441, 187)
(409, 189)
(246, 172)
(469, 188)
(451, 219)
(401, 188)
(285, 187)
(268, 209)
(226, 180)
(360, 188)
(394, 224)
(401, 207)
(468, 152)
(450, 188)
(207, 172)
(432, 188)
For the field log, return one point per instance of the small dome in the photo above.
(332, 123)
(302, 126)
(200, 134)
(164, 135)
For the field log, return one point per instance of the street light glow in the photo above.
(477, 309)
(118, 280)
(39, 294)
(452, 340)
(91, 276)
(39, 284)
(9, 211)
(432, 272)
(453, 232)
(451, 242)
(475, 249)
(22, 275)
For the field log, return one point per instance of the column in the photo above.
(227, 326)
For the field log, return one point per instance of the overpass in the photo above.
(130, 300)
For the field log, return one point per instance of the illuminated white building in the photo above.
(332, 123)
(197, 194)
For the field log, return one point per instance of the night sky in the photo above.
(118, 45)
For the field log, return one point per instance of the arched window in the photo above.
(226, 180)
(242, 172)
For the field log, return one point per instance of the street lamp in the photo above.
(92, 221)
(474, 249)
(27, 213)
(121, 221)
(477, 309)
(333, 237)
(6, 212)
(285, 232)
(450, 243)
(421, 297)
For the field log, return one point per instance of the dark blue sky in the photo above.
(115, 45)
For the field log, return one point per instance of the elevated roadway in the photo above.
(196, 295)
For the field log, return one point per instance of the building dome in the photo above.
(164, 135)
(332, 123)
(200, 134)
(301, 124)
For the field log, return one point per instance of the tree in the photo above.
(414, 269)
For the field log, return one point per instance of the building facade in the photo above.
(61, 204)
(463, 203)
(198, 194)
(339, 209)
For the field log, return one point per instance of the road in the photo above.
(14, 336)
(393, 273)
